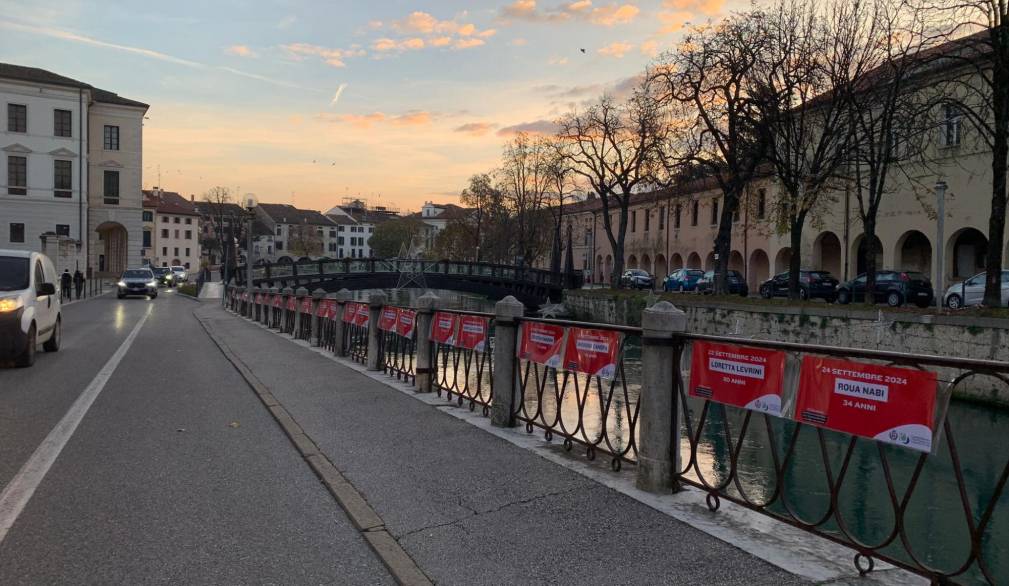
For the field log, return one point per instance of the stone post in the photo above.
(506, 374)
(302, 293)
(270, 318)
(376, 301)
(659, 407)
(424, 366)
(317, 297)
(342, 297)
(258, 307)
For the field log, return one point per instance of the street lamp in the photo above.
(940, 200)
(249, 202)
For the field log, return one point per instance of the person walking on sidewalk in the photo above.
(65, 283)
(78, 282)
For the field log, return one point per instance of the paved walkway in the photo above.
(467, 506)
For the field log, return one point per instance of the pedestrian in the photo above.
(78, 282)
(66, 282)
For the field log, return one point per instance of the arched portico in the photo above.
(913, 252)
(966, 250)
(759, 269)
(827, 253)
(782, 260)
(113, 248)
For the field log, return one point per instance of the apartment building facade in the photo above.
(297, 233)
(175, 230)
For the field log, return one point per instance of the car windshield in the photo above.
(696, 273)
(916, 276)
(138, 274)
(820, 275)
(13, 273)
(160, 272)
(178, 269)
(638, 273)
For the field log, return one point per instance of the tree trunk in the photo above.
(996, 223)
(795, 263)
(869, 241)
(723, 240)
(555, 248)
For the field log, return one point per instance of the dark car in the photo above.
(735, 282)
(893, 287)
(682, 280)
(637, 279)
(812, 285)
(137, 282)
(164, 276)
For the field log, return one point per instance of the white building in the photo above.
(297, 233)
(52, 168)
(175, 235)
(436, 217)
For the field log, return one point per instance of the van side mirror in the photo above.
(47, 289)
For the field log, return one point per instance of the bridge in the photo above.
(531, 286)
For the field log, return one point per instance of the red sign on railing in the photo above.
(889, 404)
(443, 327)
(327, 309)
(542, 343)
(292, 303)
(594, 352)
(387, 321)
(278, 301)
(349, 311)
(405, 322)
(259, 298)
(750, 378)
(363, 315)
(473, 331)
(306, 305)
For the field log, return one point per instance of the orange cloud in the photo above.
(674, 21)
(709, 7)
(609, 15)
(441, 41)
(617, 49)
(475, 128)
(240, 51)
(614, 15)
(536, 127)
(363, 120)
(418, 118)
(332, 57)
(468, 43)
(385, 45)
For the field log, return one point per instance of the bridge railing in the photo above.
(783, 430)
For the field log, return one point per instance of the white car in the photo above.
(971, 292)
(181, 275)
(29, 306)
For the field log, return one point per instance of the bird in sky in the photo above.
(582, 50)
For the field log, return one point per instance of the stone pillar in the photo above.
(506, 379)
(376, 301)
(302, 293)
(424, 365)
(342, 297)
(659, 407)
(257, 307)
(317, 297)
(269, 320)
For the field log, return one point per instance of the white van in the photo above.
(29, 306)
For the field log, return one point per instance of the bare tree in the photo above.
(228, 224)
(616, 148)
(977, 53)
(712, 74)
(561, 190)
(304, 240)
(524, 181)
(485, 200)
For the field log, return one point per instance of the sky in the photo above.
(309, 102)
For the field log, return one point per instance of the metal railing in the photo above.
(398, 348)
(464, 373)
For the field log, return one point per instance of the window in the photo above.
(62, 178)
(714, 212)
(112, 188)
(587, 239)
(278, 230)
(648, 220)
(62, 123)
(148, 216)
(164, 219)
(187, 252)
(164, 252)
(176, 219)
(189, 220)
(279, 244)
(662, 218)
(951, 126)
(339, 228)
(111, 142)
(63, 230)
(17, 232)
(332, 246)
(634, 220)
(332, 233)
(17, 175)
(340, 253)
(676, 217)
(694, 211)
(761, 204)
(339, 240)
(164, 233)
(17, 118)
(371, 229)
(176, 249)
(189, 234)
(147, 238)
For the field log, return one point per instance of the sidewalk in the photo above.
(469, 507)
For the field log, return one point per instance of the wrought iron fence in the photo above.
(398, 350)
(289, 317)
(355, 341)
(465, 373)
(599, 413)
(305, 324)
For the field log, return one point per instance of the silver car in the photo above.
(138, 282)
(970, 292)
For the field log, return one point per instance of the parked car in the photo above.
(138, 282)
(735, 282)
(812, 285)
(30, 310)
(181, 274)
(682, 280)
(637, 279)
(971, 292)
(164, 276)
(893, 287)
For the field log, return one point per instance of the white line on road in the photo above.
(21, 488)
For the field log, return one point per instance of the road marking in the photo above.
(21, 488)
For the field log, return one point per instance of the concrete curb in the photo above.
(399, 563)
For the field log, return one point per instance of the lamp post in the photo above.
(250, 201)
(940, 199)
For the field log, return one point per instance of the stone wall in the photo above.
(831, 325)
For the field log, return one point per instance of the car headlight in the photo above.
(152, 284)
(121, 283)
(7, 305)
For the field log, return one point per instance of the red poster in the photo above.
(292, 303)
(306, 305)
(594, 352)
(349, 311)
(326, 309)
(443, 328)
(473, 332)
(245, 296)
(259, 298)
(542, 343)
(361, 317)
(750, 378)
(887, 403)
(387, 321)
(278, 301)
(406, 322)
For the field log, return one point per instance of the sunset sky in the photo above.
(308, 102)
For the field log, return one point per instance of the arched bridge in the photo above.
(530, 286)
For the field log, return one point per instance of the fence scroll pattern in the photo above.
(463, 360)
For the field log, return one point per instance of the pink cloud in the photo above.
(536, 127)
(468, 43)
(240, 51)
(475, 128)
(617, 49)
(608, 15)
(332, 57)
(709, 7)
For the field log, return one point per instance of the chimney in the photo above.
(192, 197)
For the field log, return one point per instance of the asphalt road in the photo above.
(175, 474)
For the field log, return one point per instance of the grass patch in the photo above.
(187, 289)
